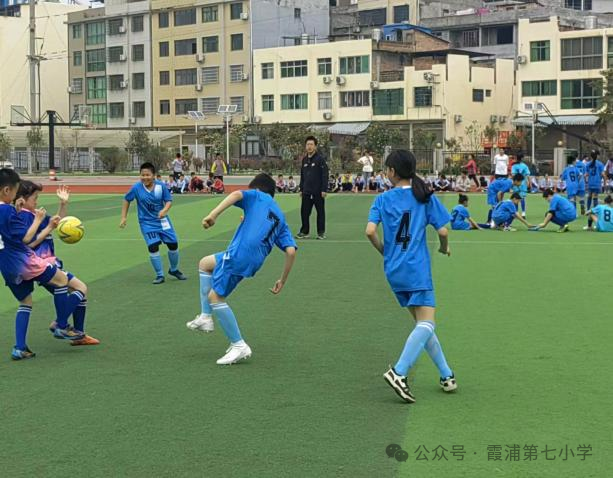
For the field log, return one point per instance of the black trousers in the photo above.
(308, 201)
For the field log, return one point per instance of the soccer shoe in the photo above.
(18, 354)
(86, 340)
(302, 236)
(492, 225)
(399, 384)
(202, 322)
(564, 228)
(69, 333)
(587, 228)
(321, 237)
(159, 280)
(235, 353)
(523, 214)
(178, 274)
(448, 384)
(509, 229)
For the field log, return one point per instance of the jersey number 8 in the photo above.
(403, 236)
(607, 218)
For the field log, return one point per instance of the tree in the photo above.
(158, 156)
(36, 142)
(490, 132)
(472, 132)
(5, 146)
(288, 141)
(379, 135)
(514, 141)
(453, 144)
(114, 160)
(604, 111)
(423, 139)
(138, 144)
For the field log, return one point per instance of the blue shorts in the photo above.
(167, 236)
(418, 298)
(571, 195)
(22, 290)
(597, 190)
(463, 226)
(223, 281)
(581, 193)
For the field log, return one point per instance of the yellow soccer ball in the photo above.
(70, 230)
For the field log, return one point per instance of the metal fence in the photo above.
(65, 160)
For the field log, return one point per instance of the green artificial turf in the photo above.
(524, 319)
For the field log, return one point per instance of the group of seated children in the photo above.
(347, 183)
(284, 186)
(213, 184)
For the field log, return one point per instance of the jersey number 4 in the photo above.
(403, 236)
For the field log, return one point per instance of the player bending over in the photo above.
(263, 227)
(43, 246)
(495, 194)
(154, 201)
(561, 211)
(21, 267)
(602, 215)
(405, 212)
(460, 217)
(506, 211)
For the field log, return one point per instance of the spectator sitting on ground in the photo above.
(483, 182)
(545, 183)
(387, 184)
(332, 184)
(292, 187)
(561, 186)
(182, 184)
(281, 185)
(339, 183)
(171, 184)
(196, 184)
(159, 177)
(534, 185)
(442, 184)
(372, 183)
(346, 182)
(358, 184)
(209, 182)
(463, 184)
(218, 186)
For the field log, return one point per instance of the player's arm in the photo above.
(473, 224)
(164, 211)
(64, 195)
(39, 216)
(443, 239)
(373, 237)
(230, 200)
(522, 220)
(125, 207)
(42, 235)
(290, 257)
(547, 220)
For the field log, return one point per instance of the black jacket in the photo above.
(314, 174)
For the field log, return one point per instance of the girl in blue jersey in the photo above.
(595, 174)
(405, 212)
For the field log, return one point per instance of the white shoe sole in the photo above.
(206, 328)
(242, 356)
(399, 391)
(449, 388)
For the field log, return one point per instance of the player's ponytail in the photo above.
(404, 164)
(594, 156)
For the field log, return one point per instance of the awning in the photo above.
(570, 120)
(348, 129)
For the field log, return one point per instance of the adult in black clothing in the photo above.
(313, 188)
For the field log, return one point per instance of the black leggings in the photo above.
(153, 248)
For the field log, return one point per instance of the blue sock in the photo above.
(489, 215)
(21, 326)
(589, 202)
(595, 202)
(205, 288)
(65, 304)
(173, 257)
(78, 316)
(523, 204)
(228, 323)
(435, 351)
(156, 262)
(414, 346)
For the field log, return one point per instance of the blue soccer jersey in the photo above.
(262, 228)
(562, 209)
(406, 256)
(580, 165)
(594, 171)
(150, 203)
(504, 212)
(499, 185)
(45, 249)
(570, 176)
(524, 170)
(459, 215)
(605, 217)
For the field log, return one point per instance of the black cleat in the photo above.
(448, 384)
(178, 274)
(399, 384)
(300, 235)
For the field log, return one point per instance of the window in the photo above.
(188, 76)
(164, 78)
(138, 24)
(324, 100)
(186, 16)
(98, 114)
(164, 50)
(478, 96)
(401, 14)
(422, 96)
(610, 53)
(235, 10)
(236, 73)
(95, 60)
(76, 31)
(210, 105)
(236, 42)
(96, 88)
(163, 20)
(578, 4)
(268, 71)
(77, 85)
(77, 58)
(388, 102)
(295, 102)
(239, 102)
(373, 18)
(138, 81)
(297, 13)
(94, 33)
(351, 65)
(210, 14)
(488, 93)
(185, 47)
(115, 25)
(291, 69)
(354, 99)
(164, 107)
(138, 52)
(115, 82)
(539, 50)
(268, 103)
(138, 109)
(324, 66)
(582, 53)
(581, 94)
(183, 106)
(502, 35)
(210, 44)
(539, 88)
(470, 38)
(116, 110)
(210, 75)
(114, 54)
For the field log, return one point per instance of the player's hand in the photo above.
(123, 223)
(541, 226)
(162, 215)
(64, 194)
(40, 213)
(323, 195)
(278, 287)
(208, 222)
(19, 204)
(54, 221)
(445, 251)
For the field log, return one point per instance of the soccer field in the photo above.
(524, 319)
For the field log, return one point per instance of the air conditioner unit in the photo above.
(200, 57)
(245, 76)
(121, 29)
(340, 80)
(429, 77)
(132, 120)
(245, 16)
(493, 119)
(246, 118)
(123, 57)
(198, 87)
(502, 119)
(327, 80)
(327, 116)
(69, 89)
(522, 59)
(533, 106)
(257, 119)
(374, 85)
(123, 84)
(458, 118)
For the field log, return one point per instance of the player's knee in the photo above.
(215, 298)
(173, 246)
(27, 301)
(153, 248)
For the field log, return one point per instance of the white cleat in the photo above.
(202, 322)
(448, 384)
(523, 214)
(235, 353)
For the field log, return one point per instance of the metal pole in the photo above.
(196, 131)
(227, 118)
(534, 118)
(51, 139)
(32, 59)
